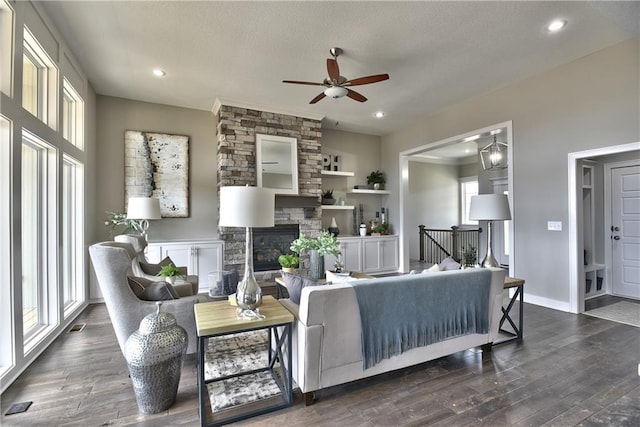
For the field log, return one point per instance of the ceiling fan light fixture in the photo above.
(335, 92)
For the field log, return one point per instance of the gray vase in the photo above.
(154, 356)
(316, 265)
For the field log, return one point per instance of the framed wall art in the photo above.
(157, 165)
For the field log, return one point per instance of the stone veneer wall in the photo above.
(236, 139)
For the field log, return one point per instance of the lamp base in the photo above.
(249, 293)
(489, 261)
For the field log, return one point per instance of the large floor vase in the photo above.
(316, 265)
(154, 356)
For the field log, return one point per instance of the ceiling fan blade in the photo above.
(317, 98)
(366, 80)
(333, 70)
(355, 95)
(303, 83)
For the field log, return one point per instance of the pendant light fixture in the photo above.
(494, 155)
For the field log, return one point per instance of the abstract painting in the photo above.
(157, 165)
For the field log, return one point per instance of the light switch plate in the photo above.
(554, 225)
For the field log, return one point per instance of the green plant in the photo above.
(381, 228)
(170, 271)
(327, 194)
(326, 244)
(376, 177)
(469, 255)
(289, 260)
(118, 223)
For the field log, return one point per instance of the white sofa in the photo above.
(327, 348)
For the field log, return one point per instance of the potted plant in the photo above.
(381, 229)
(377, 179)
(469, 255)
(289, 262)
(327, 197)
(170, 273)
(325, 244)
(118, 223)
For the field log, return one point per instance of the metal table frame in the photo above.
(518, 284)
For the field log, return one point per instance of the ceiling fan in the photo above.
(338, 86)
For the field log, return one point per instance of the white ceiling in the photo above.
(436, 53)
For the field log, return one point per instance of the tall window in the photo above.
(39, 79)
(468, 188)
(72, 115)
(72, 236)
(38, 213)
(6, 276)
(6, 47)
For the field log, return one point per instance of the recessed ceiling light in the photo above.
(471, 138)
(379, 114)
(159, 73)
(556, 25)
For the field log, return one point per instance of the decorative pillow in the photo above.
(154, 269)
(159, 291)
(149, 290)
(449, 264)
(295, 283)
(434, 267)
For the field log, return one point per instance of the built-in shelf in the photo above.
(338, 173)
(338, 207)
(593, 267)
(364, 191)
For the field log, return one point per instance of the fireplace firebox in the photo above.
(270, 243)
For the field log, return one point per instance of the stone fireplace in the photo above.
(236, 147)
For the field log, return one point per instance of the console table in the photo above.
(516, 335)
(219, 318)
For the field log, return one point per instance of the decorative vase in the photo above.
(290, 270)
(170, 279)
(316, 264)
(154, 355)
(376, 186)
(333, 228)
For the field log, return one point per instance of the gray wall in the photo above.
(434, 199)
(589, 103)
(360, 154)
(115, 115)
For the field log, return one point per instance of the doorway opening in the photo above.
(590, 208)
(444, 206)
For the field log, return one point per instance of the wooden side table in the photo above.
(516, 335)
(219, 318)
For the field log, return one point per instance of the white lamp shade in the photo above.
(489, 207)
(246, 207)
(143, 208)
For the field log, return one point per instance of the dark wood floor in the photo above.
(570, 370)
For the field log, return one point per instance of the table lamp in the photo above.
(143, 209)
(247, 207)
(489, 207)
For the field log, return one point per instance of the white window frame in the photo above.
(7, 26)
(47, 243)
(47, 89)
(464, 200)
(72, 115)
(7, 345)
(72, 234)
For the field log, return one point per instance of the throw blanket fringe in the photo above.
(421, 309)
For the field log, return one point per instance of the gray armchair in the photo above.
(140, 266)
(112, 262)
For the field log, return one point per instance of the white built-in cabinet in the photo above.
(200, 257)
(594, 271)
(368, 254)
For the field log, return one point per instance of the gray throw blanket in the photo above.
(399, 313)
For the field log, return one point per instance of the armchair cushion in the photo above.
(154, 269)
(149, 290)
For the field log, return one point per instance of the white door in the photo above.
(625, 231)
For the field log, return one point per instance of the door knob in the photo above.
(616, 237)
(614, 228)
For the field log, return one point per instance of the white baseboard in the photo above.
(547, 302)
